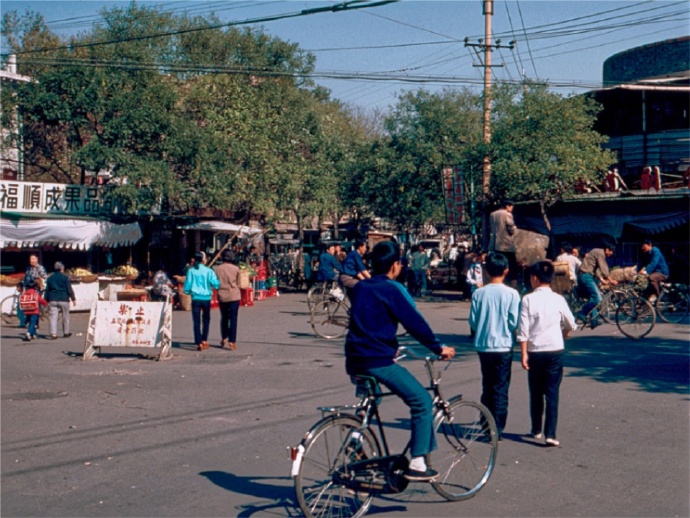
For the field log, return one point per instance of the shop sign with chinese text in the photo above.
(56, 198)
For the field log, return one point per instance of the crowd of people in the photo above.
(501, 320)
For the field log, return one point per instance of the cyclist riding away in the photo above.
(654, 263)
(594, 267)
(354, 269)
(329, 267)
(379, 304)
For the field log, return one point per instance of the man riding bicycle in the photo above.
(654, 264)
(379, 304)
(594, 268)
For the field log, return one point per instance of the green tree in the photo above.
(426, 132)
(543, 144)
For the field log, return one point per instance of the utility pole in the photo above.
(486, 46)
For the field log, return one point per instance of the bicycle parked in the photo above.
(344, 460)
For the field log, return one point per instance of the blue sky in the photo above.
(419, 43)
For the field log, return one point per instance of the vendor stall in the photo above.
(61, 222)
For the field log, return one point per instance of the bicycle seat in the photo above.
(366, 385)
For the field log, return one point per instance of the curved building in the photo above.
(646, 107)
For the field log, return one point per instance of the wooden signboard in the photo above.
(129, 324)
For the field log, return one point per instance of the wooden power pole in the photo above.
(487, 47)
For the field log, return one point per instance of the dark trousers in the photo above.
(544, 378)
(496, 370)
(201, 316)
(655, 280)
(228, 320)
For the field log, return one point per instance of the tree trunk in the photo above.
(552, 238)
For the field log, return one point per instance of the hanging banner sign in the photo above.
(56, 198)
(453, 195)
(130, 324)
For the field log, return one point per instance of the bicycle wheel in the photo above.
(9, 311)
(609, 305)
(672, 306)
(330, 319)
(324, 460)
(467, 445)
(635, 317)
(316, 294)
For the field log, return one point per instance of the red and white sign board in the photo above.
(129, 324)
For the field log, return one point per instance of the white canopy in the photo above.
(67, 233)
(224, 227)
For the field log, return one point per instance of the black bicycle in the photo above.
(344, 460)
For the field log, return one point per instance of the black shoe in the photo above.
(421, 476)
(66, 335)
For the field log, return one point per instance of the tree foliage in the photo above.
(543, 144)
(228, 118)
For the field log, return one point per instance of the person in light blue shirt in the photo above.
(199, 284)
(494, 314)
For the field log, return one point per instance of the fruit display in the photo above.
(79, 272)
(124, 270)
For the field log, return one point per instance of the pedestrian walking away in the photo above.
(199, 282)
(494, 313)
(229, 296)
(545, 322)
(419, 264)
(30, 301)
(59, 293)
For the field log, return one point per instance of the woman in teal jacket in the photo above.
(198, 284)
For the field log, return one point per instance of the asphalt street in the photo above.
(205, 433)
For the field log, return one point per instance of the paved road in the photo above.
(205, 433)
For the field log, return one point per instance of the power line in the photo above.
(345, 6)
(529, 48)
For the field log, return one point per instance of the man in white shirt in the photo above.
(545, 321)
(573, 261)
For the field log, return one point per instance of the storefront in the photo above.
(68, 223)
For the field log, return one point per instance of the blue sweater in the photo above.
(378, 305)
(353, 264)
(199, 282)
(329, 267)
(654, 262)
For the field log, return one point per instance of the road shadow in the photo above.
(660, 365)
(275, 496)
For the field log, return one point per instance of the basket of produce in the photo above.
(128, 272)
(6, 280)
(81, 275)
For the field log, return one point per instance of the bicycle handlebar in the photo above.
(404, 351)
